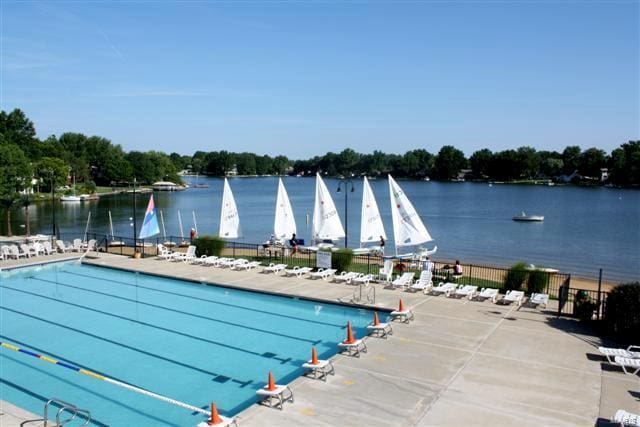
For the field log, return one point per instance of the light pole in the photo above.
(135, 243)
(53, 204)
(346, 182)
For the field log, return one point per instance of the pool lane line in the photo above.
(199, 316)
(150, 325)
(270, 313)
(64, 359)
(128, 347)
(84, 389)
(40, 398)
(106, 379)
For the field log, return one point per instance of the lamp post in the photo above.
(53, 204)
(135, 243)
(346, 182)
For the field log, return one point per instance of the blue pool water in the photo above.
(187, 341)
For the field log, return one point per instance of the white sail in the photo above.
(285, 223)
(326, 222)
(408, 229)
(229, 218)
(371, 227)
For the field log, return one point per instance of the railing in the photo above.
(64, 407)
(556, 284)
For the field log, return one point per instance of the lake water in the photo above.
(584, 229)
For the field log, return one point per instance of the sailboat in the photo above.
(183, 242)
(229, 218)
(371, 226)
(166, 242)
(112, 241)
(70, 198)
(408, 228)
(198, 185)
(326, 222)
(284, 225)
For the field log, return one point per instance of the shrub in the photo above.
(584, 306)
(341, 259)
(516, 275)
(209, 245)
(622, 312)
(537, 281)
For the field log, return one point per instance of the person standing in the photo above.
(382, 242)
(293, 242)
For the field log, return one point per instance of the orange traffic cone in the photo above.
(376, 321)
(350, 335)
(314, 356)
(272, 384)
(215, 417)
(401, 305)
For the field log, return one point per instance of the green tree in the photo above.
(51, 170)
(571, 159)
(280, 165)
(449, 162)
(528, 162)
(591, 161)
(624, 164)
(17, 129)
(15, 176)
(480, 163)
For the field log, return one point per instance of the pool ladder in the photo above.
(72, 412)
(364, 294)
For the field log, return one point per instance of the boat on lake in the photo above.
(523, 217)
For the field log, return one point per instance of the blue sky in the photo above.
(302, 78)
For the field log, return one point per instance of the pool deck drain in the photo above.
(458, 363)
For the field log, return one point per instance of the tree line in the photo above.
(96, 161)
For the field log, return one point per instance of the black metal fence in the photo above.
(557, 284)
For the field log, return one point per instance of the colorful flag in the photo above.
(150, 224)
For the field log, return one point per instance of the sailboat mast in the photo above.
(86, 229)
(111, 225)
(164, 231)
(180, 223)
(195, 225)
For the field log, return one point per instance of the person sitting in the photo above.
(457, 269)
(428, 265)
(382, 242)
(293, 242)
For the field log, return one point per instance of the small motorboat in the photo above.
(528, 218)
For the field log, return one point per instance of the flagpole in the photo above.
(135, 235)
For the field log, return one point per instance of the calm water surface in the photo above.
(584, 229)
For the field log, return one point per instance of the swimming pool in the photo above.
(188, 341)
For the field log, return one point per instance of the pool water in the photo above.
(191, 342)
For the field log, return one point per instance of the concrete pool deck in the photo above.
(459, 363)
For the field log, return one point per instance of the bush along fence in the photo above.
(582, 303)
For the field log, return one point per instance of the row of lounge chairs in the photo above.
(36, 249)
(629, 360)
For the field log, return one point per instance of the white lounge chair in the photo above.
(274, 268)
(424, 282)
(77, 245)
(513, 296)
(37, 248)
(346, 276)
(91, 245)
(488, 293)
(248, 265)
(218, 262)
(404, 281)
(62, 247)
(48, 250)
(209, 260)
(4, 252)
(466, 291)
(626, 419)
(539, 300)
(627, 362)
(27, 250)
(188, 256)
(199, 261)
(444, 288)
(235, 263)
(631, 352)
(165, 254)
(386, 272)
(297, 271)
(14, 252)
(363, 279)
(324, 273)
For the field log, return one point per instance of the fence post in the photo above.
(599, 290)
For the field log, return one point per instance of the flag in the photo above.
(150, 224)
